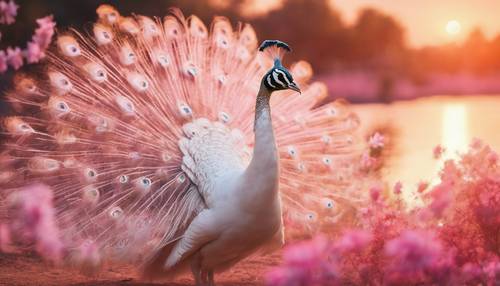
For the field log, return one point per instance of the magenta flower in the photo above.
(33, 53)
(422, 186)
(44, 32)
(34, 220)
(398, 188)
(8, 12)
(376, 141)
(438, 151)
(14, 58)
(353, 240)
(413, 251)
(375, 193)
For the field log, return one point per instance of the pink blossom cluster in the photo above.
(454, 239)
(371, 158)
(8, 12)
(32, 223)
(35, 49)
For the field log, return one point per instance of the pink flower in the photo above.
(44, 32)
(376, 141)
(305, 263)
(413, 251)
(34, 53)
(34, 220)
(353, 240)
(375, 193)
(422, 186)
(442, 196)
(476, 143)
(398, 188)
(8, 12)
(14, 57)
(438, 151)
(3, 62)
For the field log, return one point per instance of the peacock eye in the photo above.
(123, 179)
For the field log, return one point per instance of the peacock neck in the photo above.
(264, 165)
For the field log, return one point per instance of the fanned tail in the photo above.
(102, 126)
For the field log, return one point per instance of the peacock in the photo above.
(157, 140)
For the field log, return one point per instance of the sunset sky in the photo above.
(427, 22)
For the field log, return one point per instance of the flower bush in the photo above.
(454, 239)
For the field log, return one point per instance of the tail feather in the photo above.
(101, 126)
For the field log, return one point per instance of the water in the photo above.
(424, 123)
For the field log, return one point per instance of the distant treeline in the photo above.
(374, 43)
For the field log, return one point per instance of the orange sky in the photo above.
(424, 20)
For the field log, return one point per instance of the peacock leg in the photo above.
(204, 278)
(211, 281)
(196, 269)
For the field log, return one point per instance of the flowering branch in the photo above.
(35, 49)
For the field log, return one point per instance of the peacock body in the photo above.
(157, 140)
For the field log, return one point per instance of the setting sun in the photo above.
(453, 27)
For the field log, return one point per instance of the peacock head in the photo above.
(278, 77)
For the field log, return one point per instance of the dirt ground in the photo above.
(26, 270)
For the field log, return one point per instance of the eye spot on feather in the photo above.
(242, 53)
(222, 79)
(91, 195)
(127, 55)
(134, 155)
(108, 14)
(70, 163)
(327, 203)
(60, 82)
(123, 179)
(148, 27)
(184, 110)
(41, 165)
(224, 117)
(96, 72)
(103, 35)
(165, 156)
(115, 212)
(68, 46)
(143, 184)
(138, 82)
(331, 111)
(162, 59)
(100, 124)
(310, 216)
(16, 126)
(64, 138)
(128, 25)
(326, 160)
(292, 151)
(326, 139)
(58, 107)
(126, 106)
(191, 70)
(90, 174)
(350, 140)
(301, 167)
(181, 178)
(26, 85)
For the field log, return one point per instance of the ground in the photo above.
(28, 270)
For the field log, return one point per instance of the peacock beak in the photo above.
(293, 86)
